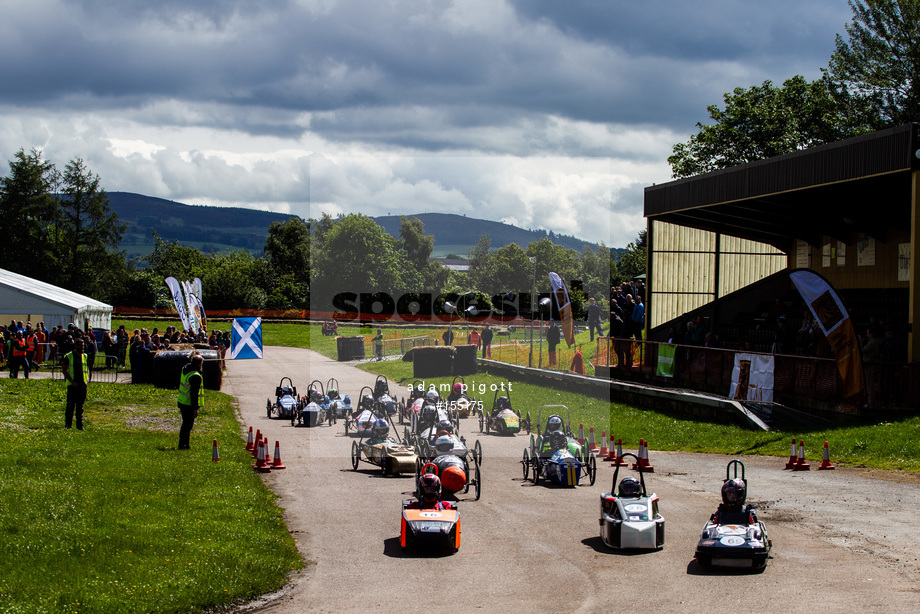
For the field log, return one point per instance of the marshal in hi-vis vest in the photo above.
(185, 389)
(71, 367)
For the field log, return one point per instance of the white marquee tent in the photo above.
(24, 298)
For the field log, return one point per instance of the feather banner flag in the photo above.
(179, 301)
(198, 310)
(835, 323)
(194, 324)
(246, 339)
(564, 305)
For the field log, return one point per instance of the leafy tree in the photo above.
(414, 242)
(552, 257)
(287, 248)
(880, 63)
(509, 270)
(764, 121)
(632, 262)
(358, 256)
(594, 270)
(169, 259)
(230, 281)
(27, 212)
(89, 230)
(417, 247)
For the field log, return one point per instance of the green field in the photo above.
(116, 519)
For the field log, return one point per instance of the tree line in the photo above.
(871, 82)
(60, 229)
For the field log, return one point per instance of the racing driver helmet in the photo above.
(429, 486)
(629, 487)
(432, 397)
(429, 413)
(381, 428)
(503, 403)
(367, 402)
(558, 440)
(457, 389)
(734, 492)
(553, 424)
(444, 444)
(445, 425)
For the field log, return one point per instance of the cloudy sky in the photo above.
(542, 113)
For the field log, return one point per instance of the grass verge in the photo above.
(115, 519)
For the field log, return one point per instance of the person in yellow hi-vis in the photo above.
(77, 374)
(191, 397)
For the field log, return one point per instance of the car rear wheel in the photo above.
(477, 450)
(355, 452)
(482, 423)
(536, 469)
(525, 464)
(592, 469)
(478, 473)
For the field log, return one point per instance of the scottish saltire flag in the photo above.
(246, 340)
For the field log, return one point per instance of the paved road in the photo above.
(843, 540)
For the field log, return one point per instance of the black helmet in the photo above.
(630, 487)
(445, 425)
(503, 403)
(381, 428)
(429, 486)
(734, 492)
(367, 401)
(558, 440)
(432, 396)
(429, 412)
(444, 444)
(554, 423)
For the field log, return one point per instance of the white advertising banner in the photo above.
(752, 378)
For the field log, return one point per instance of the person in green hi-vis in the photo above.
(191, 397)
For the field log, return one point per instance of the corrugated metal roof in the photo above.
(861, 184)
(49, 293)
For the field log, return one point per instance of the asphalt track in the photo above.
(843, 540)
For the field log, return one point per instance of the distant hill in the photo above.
(210, 229)
(222, 229)
(457, 233)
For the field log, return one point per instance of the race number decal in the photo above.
(732, 540)
(430, 514)
(635, 507)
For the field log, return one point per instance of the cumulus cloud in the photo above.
(552, 114)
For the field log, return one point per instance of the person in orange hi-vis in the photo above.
(578, 363)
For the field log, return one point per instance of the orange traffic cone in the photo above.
(792, 458)
(643, 458)
(618, 459)
(215, 455)
(249, 442)
(276, 463)
(603, 451)
(592, 446)
(260, 465)
(801, 464)
(826, 463)
(581, 434)
(255, 447)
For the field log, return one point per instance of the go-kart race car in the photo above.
(339, 406)
(457, 473)
(428, 521)
(381, 394)
(286, 401)
(412, 405)
(503, 419)
(363, 419)
(629, 515)
(312, 409)
(556, 456)
(733, 537)
(433, 417)
(460, 402)
(391, 455)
